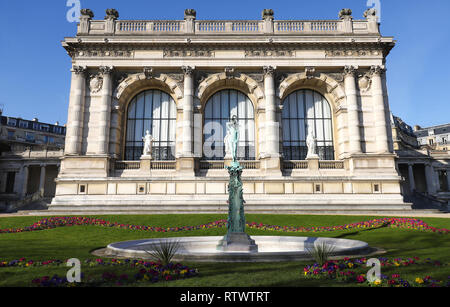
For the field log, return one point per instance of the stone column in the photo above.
(114, 133)
(431, 187)
(271, 161)
(188, 111)
(75, 118)
(42, 181)
(412, 183)
(104, 111)
(381, 132)
(25, 172)
(186, 161)
(272, 128)
(354, 133)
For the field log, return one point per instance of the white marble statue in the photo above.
(232, 139)
(311, 143)
(148, 143)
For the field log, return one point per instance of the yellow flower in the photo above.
(377, 282)
(419, 280)
(350, 265)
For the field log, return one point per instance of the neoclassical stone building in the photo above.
(182, 80)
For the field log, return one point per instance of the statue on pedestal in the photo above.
(148, 144)
(311, 142)
(232, 138)
(236, 239)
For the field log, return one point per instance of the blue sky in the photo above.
(35, 69)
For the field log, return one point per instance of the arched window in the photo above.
(218, 111)
(155, 111)
(303, 109)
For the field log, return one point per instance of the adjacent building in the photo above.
(423, 161)
(30, 153)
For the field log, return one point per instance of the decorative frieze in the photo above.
(353, 53)
(252, 53)
(170, 53)
(106, 53)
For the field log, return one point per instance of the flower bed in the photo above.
(150, 272)
(400, 223)
(346, 271)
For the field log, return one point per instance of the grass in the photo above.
(78, 242)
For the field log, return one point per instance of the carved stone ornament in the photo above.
(269, 70)
(364, 83)
(188, 70)
(170, 53)
(96, 84)
(267, 13)
(268, 53)
(229, 72)
(148, 72)
(310, 72)
(87, 13)
(79, 69)
(350, 69)
(345, 13)
(370, 12)
(377, 70)
(106, 69)
(190, 13)
(112, 14)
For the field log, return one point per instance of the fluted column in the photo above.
(75, 118)
(352, 110)
(104, 111)
(188, 111)
(412, 183)
(379, 110)
(271, 136)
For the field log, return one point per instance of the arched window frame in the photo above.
(294, 142)
(164, 139)
(247, 143)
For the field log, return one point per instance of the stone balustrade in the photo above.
(190, 25)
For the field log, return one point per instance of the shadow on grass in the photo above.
(355, 233)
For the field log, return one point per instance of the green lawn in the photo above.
(78, 241)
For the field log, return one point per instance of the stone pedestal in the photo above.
(146, 162)
(313, 162)
(185, 166)
(271, 165)
(237, 242)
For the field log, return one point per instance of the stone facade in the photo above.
(341, 62)
(29, 159)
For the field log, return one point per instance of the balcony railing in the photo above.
(191, 26)
(127, 165)
(331, 164)
(163, 165)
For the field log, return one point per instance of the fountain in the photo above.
(237, 245)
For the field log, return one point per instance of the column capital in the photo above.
(106, 70)
(79, 70)
(188, 70)
(269, 70)
(377, 70)
(349, 70)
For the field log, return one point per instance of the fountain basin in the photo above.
(270, 248)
